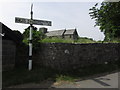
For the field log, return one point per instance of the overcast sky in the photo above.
(63, 15)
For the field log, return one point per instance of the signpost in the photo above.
(35, 22)
(31, 22)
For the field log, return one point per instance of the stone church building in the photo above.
(65, 34)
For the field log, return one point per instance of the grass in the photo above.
(79, 40)
(85, 40)
(56, 40)
(60, 40)
(21, 75)
(65, 78)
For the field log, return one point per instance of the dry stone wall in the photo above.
(72, 56)
(64, 56)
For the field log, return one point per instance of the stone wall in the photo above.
(64, 56)
(72, 56)
(21, 55)
(8, 54)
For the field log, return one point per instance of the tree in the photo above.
(108, 18)
(36, 37)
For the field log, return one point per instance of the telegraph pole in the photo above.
(30, 41)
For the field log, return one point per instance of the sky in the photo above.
(64, 15)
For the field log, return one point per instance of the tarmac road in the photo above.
(106, 81)
(101, 81)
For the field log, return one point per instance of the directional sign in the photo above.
(42, 22)
(22, 20)
(29, 21)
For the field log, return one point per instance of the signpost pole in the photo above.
(31, 22)
(30, 41)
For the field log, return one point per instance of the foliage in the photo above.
(36, 37)
(108, 18)
(116, 40)
(85, 40)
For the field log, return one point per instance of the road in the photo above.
(102, 81)
(106, 81)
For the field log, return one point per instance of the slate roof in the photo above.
(55, 33)
(61, 32)
(69, 31)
